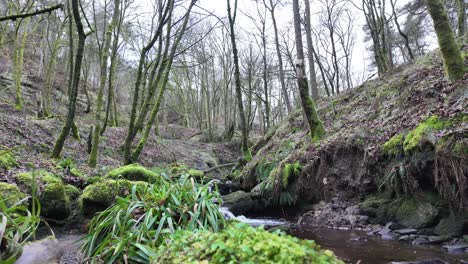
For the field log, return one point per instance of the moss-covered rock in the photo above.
(134, 172)
(7, 161)
(55, 203)
(100, 195)
(238, 202)
(291, 172)
(10, 194)
(415, 214)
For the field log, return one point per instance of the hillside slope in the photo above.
(401, 138)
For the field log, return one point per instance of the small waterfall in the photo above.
(251, 221)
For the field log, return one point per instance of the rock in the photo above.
(426, 261)
(353, 210)
(389, 236)
(238, 202)
(450, 226)
(45, 251)
(134, 172)
(50, 189)
(100, 195)
(421, 240)
(407, 231)
(457, 248)
(413, 214)
(437, 239)
(10, 194)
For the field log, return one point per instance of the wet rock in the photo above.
(353, 210)
(406, 231)
(421, 240)
(437, 239)
(457, 248)
(426, 261)
(238, 202)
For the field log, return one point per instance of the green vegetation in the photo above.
(290, 172)
(17, 226)
(135, 172)
(393, 146)
(7, 161)
(10, 194)
(149, 215)
(412, 140)
(240, 243)
(70, 166)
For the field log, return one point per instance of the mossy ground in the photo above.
(393, 146)
(240, 243)
(7, 160)
(429, 125)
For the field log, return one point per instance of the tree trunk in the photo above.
(75, 82)
(451, 55)
(232, 18)
(310, 52)
(461, 23)
(280, 60)
(316, 127)
(92, 161)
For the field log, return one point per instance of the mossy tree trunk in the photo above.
(69, 122)
(451, 55)
(308, 104)
(20, 43)
(166, 64)
(50, 70)
(136, 93)
(92, 160)
(240, 103)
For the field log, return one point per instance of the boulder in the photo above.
(414, 214)
(100, 195)
(238, 202)
(44, 251)
(10, 194)
(50, 189)
(450, 226)
(134, 172)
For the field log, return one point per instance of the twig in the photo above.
(38, 12)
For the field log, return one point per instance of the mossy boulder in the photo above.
(414, 214)
(10, 194)
(7, 161)
(177, 170)
(238, 202)
(134, 172)
(50, 189)
(100, 195)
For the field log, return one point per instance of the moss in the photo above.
(72, 191)
(134, 172)
(7, 161)
(100, 195)
(263, 169)
(50, 190)
(241, 243)
(393, 146)
(10, 194)
(429, 125)
(198, 174)
(290, 172)
(94, 179)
